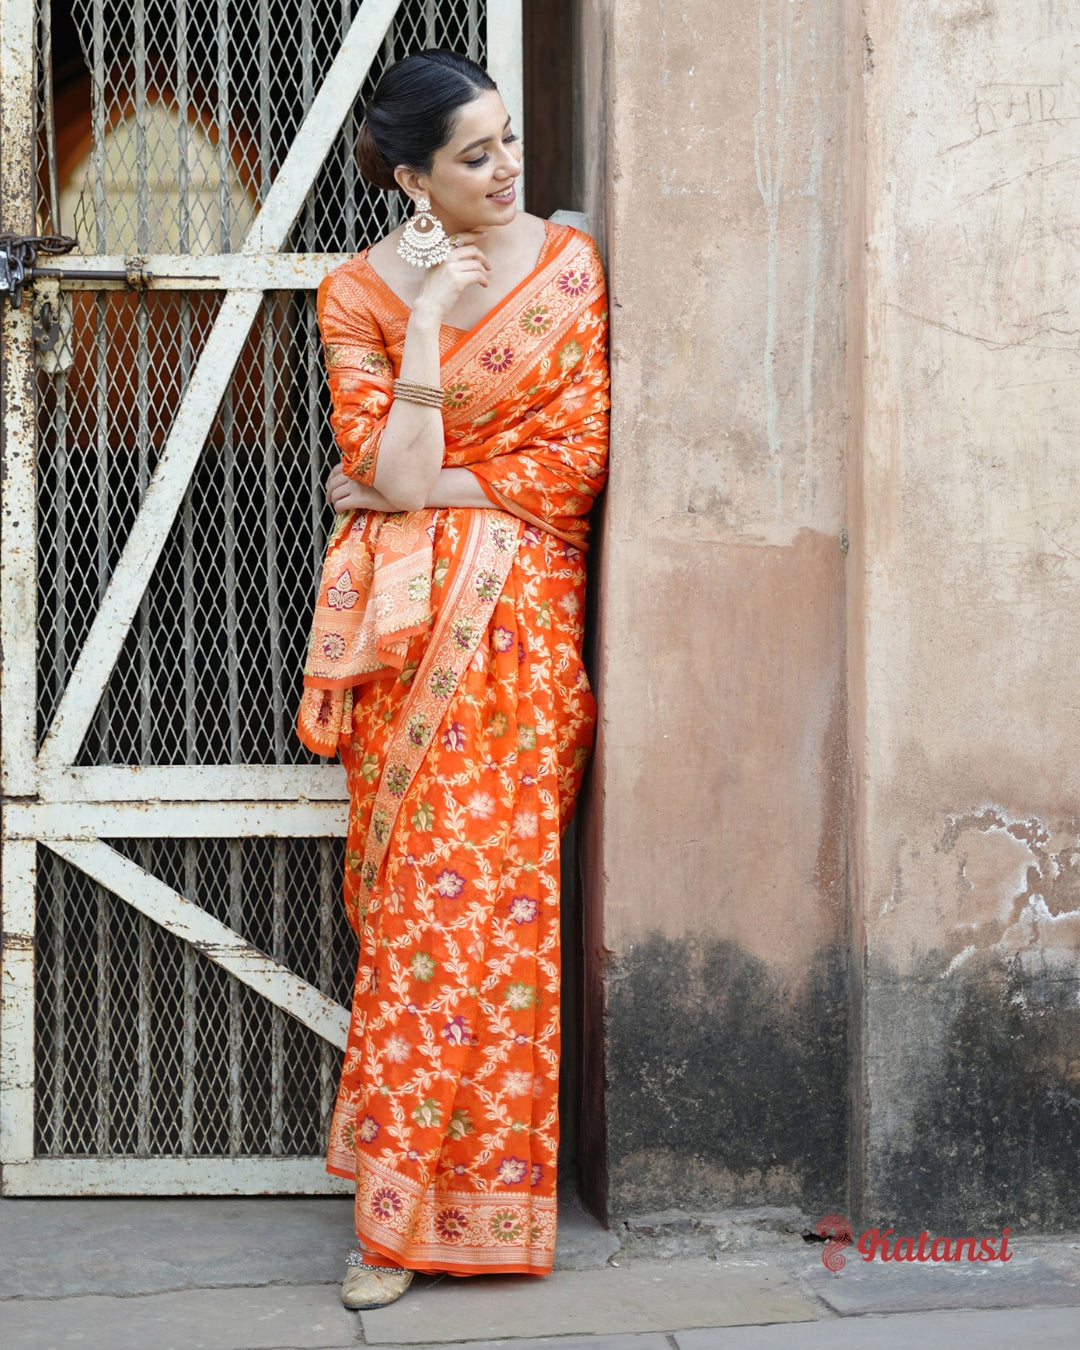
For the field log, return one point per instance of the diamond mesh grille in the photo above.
(342, 212)
(44, 125)
(210, 672)
(210, 669)
(147, 1049)
(106, 398)
(144, 1047)
(195, 103)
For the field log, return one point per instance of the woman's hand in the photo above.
(466, 265)
(345, 494)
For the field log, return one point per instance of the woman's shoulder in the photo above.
(352, 294)
(564, 236)
(352, 275)
(550, 234)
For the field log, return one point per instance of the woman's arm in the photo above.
(411, 450)
(452, 487)
(457, 487)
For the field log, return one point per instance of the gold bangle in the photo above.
(430, 395)
(414, 385)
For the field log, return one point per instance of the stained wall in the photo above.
(832, 839)
(969, 565)
(712, 166)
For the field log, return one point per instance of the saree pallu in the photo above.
(445, 667)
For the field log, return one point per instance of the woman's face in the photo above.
(471, 183)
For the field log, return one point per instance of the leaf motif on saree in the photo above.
(341, 595)
(570, 355)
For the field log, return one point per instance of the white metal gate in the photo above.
(175, 964)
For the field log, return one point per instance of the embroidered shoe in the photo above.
(372, 1286)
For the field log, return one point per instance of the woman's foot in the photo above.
(372, 1286)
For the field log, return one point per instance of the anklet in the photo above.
(356, 1258)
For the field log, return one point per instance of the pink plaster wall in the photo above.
(712, 166)
(843, 253)
(967, 548)
(722, 611)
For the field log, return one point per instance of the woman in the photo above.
(470, 397)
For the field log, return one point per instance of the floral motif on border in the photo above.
(462, 620)
(359, 631)
(479, 363)
(447, 1228)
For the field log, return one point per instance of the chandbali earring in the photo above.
(424, 242)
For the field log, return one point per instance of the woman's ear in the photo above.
(410, 181)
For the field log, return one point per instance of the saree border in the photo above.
(376, 559)
(474, 590)
(550, 230)
(495, 380)
(411, 1213)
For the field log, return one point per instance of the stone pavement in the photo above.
(261, 1274)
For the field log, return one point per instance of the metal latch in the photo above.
(18, 255)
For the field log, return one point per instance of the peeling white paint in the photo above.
(958, 960)
(1033, 928)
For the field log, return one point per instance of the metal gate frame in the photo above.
(71, 810)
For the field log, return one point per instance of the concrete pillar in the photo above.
(966, 616)
(713, 167)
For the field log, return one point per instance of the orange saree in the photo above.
(445, 668)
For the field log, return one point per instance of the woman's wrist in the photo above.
(425, 319)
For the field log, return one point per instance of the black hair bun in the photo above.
(414, 110)
(372, 163)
